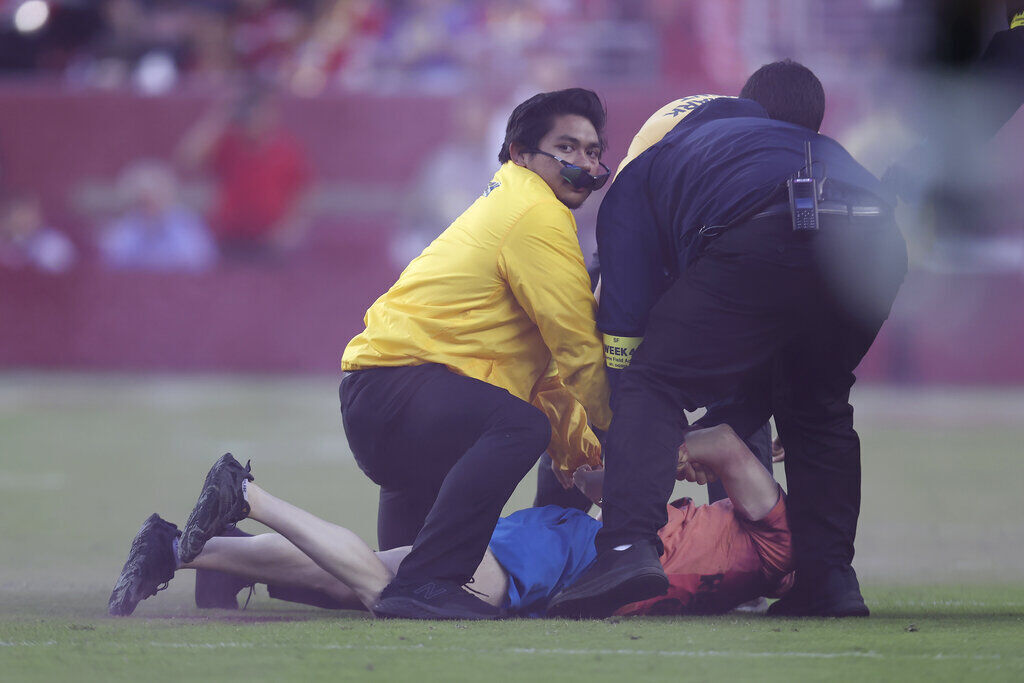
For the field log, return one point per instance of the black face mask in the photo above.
(576, 176)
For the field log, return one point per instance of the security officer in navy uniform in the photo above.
(718, 289)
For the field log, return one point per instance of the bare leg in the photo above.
(313, 553)
(335, 549)
(490, 580)
(749, 486)
(272, 559)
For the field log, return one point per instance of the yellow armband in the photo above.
(1017, 21)
(618, 351)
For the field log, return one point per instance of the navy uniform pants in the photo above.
(774, 322)
(447, 452)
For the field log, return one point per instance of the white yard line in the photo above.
(952, 603)
(585, 652)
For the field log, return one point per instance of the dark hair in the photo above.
(789, 91)
(531, 120)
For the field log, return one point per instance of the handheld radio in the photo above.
(803, 196)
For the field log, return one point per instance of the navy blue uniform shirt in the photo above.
(723, 163)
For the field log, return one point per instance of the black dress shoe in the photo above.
(849, 605)
(836, 594)
(616, 578)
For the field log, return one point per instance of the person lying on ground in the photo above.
(717, 556)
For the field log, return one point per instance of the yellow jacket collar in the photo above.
(520, 174)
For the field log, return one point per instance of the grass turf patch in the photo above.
(87, 458)
(921, 633)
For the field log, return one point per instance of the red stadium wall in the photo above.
(290, 317)
(298, 314)
(298, 317)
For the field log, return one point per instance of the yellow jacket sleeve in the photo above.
(542, 263)
(573, 443)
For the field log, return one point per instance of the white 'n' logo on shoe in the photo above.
(429, 591)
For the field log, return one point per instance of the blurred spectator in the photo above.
(261, 174)
(430, 45)
(211, 59)
(266, 34)
(310, 46)
(339, 48)
(139, 45)
(449, 181)
(26, 241)
(156, 231)
(43, 36)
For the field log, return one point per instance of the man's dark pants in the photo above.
(447, 452)
(776, 321)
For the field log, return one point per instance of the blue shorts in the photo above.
(543, 550)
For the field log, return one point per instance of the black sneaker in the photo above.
(616, 578)
(219, 506)
(432, 600)
(149, 568)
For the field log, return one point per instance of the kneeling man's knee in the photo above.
(530, 427)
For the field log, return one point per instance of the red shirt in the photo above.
(716, 560)
(258, 183)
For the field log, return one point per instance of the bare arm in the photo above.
(704, 455)
(748, 484)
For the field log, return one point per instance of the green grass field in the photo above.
(84, 459)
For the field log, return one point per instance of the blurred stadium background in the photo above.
(365, 126)
(200, 198)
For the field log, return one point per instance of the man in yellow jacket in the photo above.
(436, 395)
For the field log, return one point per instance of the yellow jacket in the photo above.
(496, 297)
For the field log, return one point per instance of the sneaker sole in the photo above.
(840, 611)
(407, 608)
(602, 604)
(207, 519)
(123, 600)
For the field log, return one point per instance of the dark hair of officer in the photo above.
(788, 91)
(531, 120)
